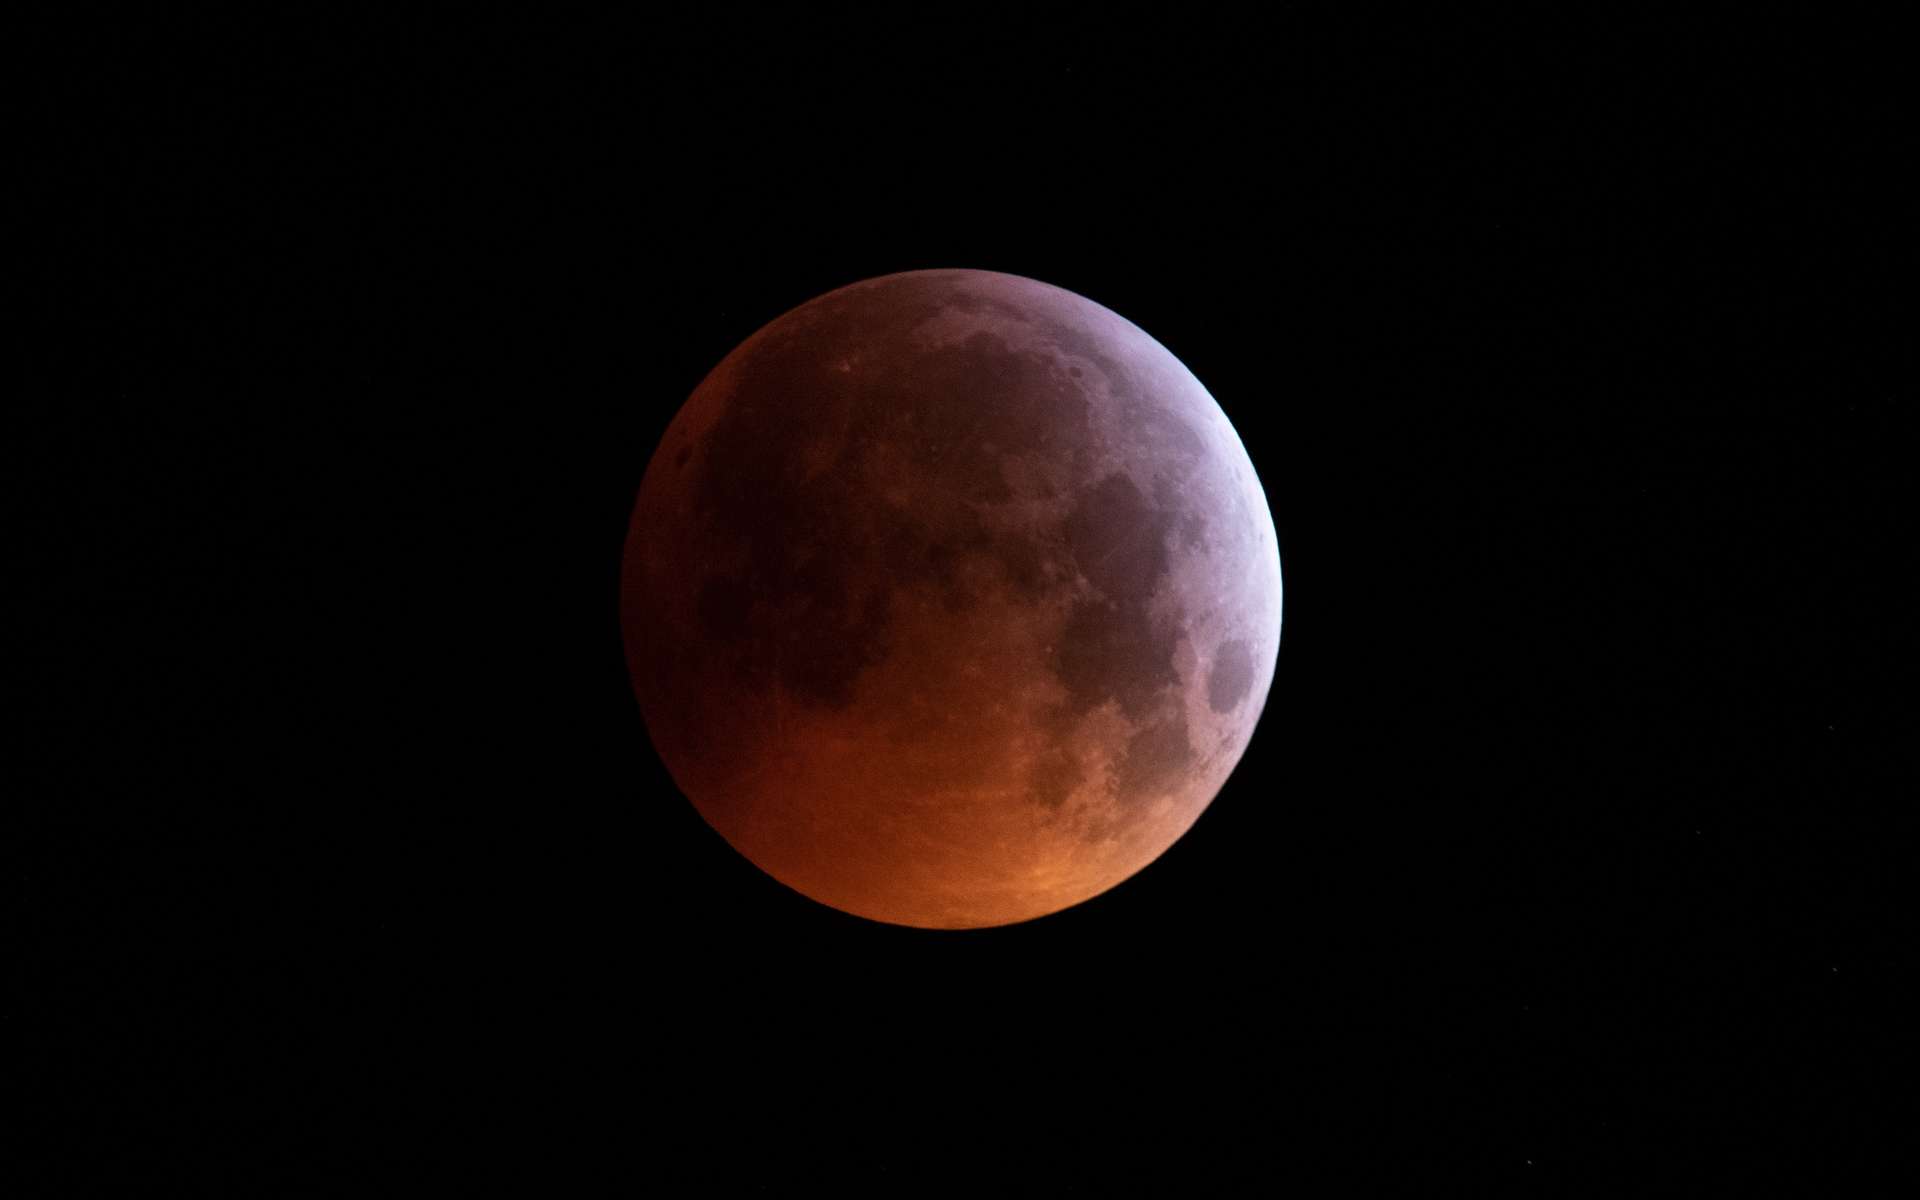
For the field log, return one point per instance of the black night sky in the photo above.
(1567, 841)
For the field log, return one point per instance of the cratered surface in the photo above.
(951, 599)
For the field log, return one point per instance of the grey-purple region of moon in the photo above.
(951, 599)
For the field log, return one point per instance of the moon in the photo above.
(951, 599)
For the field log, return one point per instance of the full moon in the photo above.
(951, 599)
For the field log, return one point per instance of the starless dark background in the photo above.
(1565, 843)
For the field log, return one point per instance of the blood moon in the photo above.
(951, 599)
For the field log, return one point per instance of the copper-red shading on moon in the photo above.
(951, 599)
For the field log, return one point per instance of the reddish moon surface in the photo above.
(951, 599)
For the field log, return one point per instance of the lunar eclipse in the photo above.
(951, 599)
